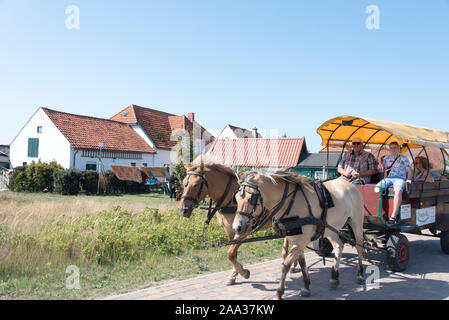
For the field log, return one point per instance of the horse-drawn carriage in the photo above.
(301, 209)
(425, 205)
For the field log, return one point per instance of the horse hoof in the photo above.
(295, 270)
(360, 280)
(246, 274)
(334, 283)
(304, 293)
(279, 295)
(230, 282)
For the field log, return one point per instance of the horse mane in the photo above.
(277, 175)
(212, 164)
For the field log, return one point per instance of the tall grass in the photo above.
(42, 234)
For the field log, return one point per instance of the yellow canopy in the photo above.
(376, 133)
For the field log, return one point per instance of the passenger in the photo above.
(357, 165)
(380, 165)
(423, 171)
(422, 166)
(398, 172)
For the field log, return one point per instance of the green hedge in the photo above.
(34, 177)
(67, 182)
(38, 176)
(89, 181)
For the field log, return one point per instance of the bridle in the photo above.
(203, 182)
(255, 198)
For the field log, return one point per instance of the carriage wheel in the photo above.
(444, 242)
(397, 252)
(323, 247)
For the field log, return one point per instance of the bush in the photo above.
(180, 174)
(35, 177)
(114, 185)
(67, 182)
(89, 181)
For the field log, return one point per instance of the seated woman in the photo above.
(423, 174)
(397, 172)
(423, 171)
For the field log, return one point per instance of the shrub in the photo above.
(180, 174)
(114, 185)
(67, 182)
(35, 177)
(89, 181)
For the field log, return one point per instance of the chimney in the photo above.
(255, 134)
(191, 116)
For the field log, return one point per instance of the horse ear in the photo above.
(202, 166)
(187, 166)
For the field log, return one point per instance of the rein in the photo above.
(320, 223)
(261, 221)
(219, 205)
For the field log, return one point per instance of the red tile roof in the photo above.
(86, 132)
(157, 124)
(258, 152)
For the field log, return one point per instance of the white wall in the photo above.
(163, 156)
(227, 133)
(52, 143)
(80, 162)
(142, 133)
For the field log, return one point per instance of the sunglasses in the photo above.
(356, 143)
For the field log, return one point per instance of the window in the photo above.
(91, 166)
(133, 164)
(145, 164)
(24, 164)
(39, 129)
(33, 147)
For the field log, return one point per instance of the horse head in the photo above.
(250, 202)
(195, 189)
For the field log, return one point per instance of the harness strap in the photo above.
(210, 214)
(276, 209)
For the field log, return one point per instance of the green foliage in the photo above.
(89, 181)
(67, 182)
(243, 169)
(180, 174)
(34, 177)
(114, 185)
(117, 234)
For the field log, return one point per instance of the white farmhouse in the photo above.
(73, 141)
(136, 136)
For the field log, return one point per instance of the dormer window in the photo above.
(124, 114)
(39, 129)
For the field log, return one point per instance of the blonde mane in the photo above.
(277, 175)
(211, 163)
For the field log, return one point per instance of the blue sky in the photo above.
(285, 65)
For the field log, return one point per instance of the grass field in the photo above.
(119, 244)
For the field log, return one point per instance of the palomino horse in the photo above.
(211, 178)
(262, 192)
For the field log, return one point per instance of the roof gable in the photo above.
(158, 125)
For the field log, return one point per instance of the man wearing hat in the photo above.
(357, 165)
